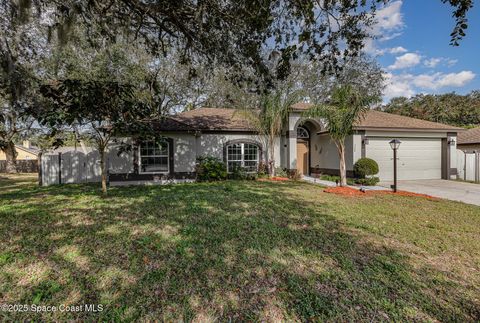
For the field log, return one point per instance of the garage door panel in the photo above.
(417, 158)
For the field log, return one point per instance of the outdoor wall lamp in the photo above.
(365, 141)
(395, 144)
(451, 142)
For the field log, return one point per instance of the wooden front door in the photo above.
(302, 157)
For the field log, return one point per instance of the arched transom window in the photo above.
(302, 133)
(242, 155)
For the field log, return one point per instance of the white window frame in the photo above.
(242, 160)
(140, 158)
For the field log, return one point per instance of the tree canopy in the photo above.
(235, 33)
(451, 108)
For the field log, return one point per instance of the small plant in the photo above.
(240, 173)
(294, 175)
(333, 178)
(210, 169)
(280, 172)
(365, 167)
(262, 170)
(368, 181)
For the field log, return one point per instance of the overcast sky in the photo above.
(413, 47)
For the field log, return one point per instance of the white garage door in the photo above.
(417, 158)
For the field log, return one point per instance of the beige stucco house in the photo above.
(427, 151)
(24, 152)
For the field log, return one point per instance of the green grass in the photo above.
(236, 251)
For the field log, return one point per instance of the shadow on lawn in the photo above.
(228, 251)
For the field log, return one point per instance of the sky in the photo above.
(413, 47)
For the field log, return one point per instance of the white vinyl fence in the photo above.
(468, 164)
(70, 167)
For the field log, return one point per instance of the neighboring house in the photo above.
(427, 151)
(469, 140)
(24, 152)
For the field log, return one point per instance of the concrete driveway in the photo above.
(450, 190)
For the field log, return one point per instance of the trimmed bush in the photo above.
(368, 181)
(210, 169)
(365, 167)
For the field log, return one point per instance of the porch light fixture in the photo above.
(395, 144)
(365, 141)
(451, 142)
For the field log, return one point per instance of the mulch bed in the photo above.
(348, 191)
(273, 179)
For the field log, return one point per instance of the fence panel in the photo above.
(23, 166)
(468, 165)
(50, 174)
(70, 167)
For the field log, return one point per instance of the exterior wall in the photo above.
(325, 156)
(185, 152)
(213, 144)
(294, 120)
(452, 156)
(21, 155)
(357, 148)
(122, 163)
(186, 148)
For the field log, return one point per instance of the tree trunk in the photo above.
(343, 169)
(11, 157)
(272, 159)
(103, 170)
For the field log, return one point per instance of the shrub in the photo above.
(280, 172)
(368, 181)
(240, 173)
(294, 175)
(262, 169)
(210, 169)
(365, 167)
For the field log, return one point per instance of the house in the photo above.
(24, 152)
(427, 151)
(469, 140)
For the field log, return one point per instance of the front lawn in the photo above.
(236, 251)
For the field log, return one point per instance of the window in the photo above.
(302, 133)
(154, 157)
(242, 155)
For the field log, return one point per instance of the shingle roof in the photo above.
(471, 136)
(217, 119)
(377, 119)
(213, 119)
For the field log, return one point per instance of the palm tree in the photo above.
(345, 107)
(269, 120)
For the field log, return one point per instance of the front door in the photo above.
(302, 157)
